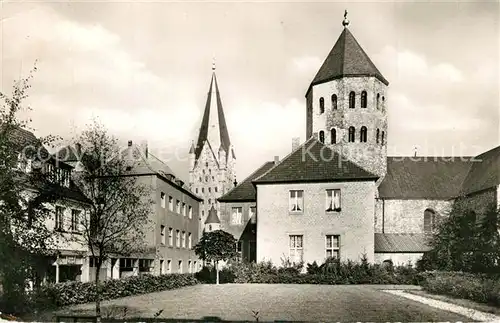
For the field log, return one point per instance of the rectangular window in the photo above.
(145, 265)
(190, 269)
(162, 197)
(171, 203)
(59, 218)
(183, 239)
(75, 218)
(333, 246)
(178, 238)
(236, 216)
(127, 264)
(178, 207)
(179, 269)
(169, 266)
(162, 233)
(170, 237)
(296, 248)
(333, 201)
(184, 209)
(162, 264)
(296, 203)
(190, 240)
(190, 212)
(251, 212)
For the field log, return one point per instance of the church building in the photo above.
(212, 160)
(339, 194)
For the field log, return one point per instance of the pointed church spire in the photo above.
(213, 125)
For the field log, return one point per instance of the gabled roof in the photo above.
(67, 154)
(484, 172)
(221, 134)
(424, 177)
(401, 242)
(245, 191)
(346, 58)
(23, 138)
(212, 216)
(314, 162)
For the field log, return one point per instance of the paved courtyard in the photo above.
(236, 302)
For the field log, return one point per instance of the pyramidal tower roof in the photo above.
(213, 125)
(346, 58)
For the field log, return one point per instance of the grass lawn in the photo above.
(235, 302)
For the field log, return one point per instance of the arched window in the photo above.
(333, 136)
(351, 134)
(378, 101)
(321, 105)
(322, 136)
(352, 100)
(382, 139)
(429, 220)
(362, 134)
(363, 99)
(378, 135)
(334, 101)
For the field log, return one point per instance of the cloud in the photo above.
(306, 64)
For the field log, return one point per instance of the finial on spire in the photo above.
(345, 23)
(213, 63)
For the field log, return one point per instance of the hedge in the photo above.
(332, 272)
(476, 287)
(52, 296)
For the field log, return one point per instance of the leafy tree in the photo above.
(120, 202)
(216, 246)
(25, 196)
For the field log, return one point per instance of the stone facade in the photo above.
(480, 201)
(370, 155)
(354, 223)
(399, 258)
(405, 216)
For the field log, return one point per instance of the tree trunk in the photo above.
(217, 271)
(98, 292)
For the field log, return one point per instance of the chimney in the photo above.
(144, 146)
(276, 160)
(295, 143)
(78, 148)
(130, 143)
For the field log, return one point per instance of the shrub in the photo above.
(208, 274)
(476, 287)
(71, 293)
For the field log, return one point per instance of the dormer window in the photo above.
(321, 105)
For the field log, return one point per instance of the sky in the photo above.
(143, 69)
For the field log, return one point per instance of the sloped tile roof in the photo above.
(346, 58)
(424, 177)
(245, 191)
(400, 242)
(314, 162)
(484, 172)
(212, 216)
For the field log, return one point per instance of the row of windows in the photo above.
(207, 178)
(180, 240)
(209, 190)
(296, 250)
(192, 266)
(352, 101)
(379, 137)
(181, 208)
(73, 223)
(332, 201)
(237, 215)
(56, 174)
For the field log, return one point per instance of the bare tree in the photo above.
(120, 205)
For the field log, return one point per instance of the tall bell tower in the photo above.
(212, 159)
(346, 105)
